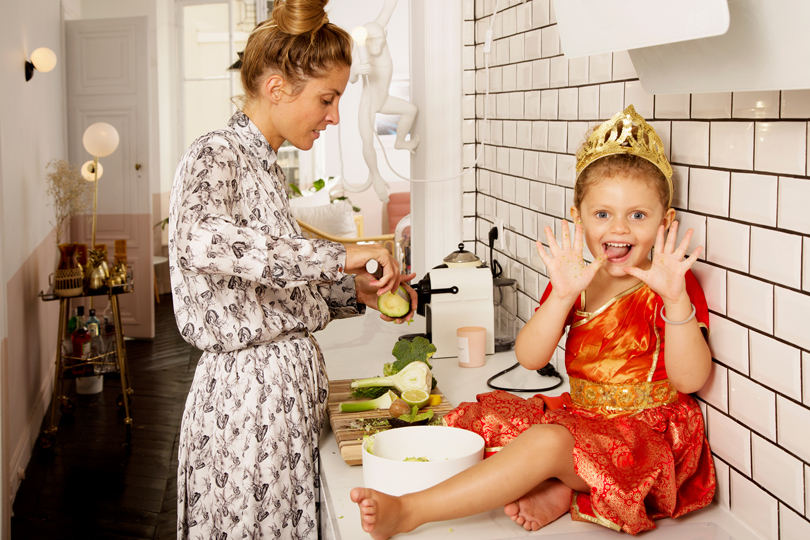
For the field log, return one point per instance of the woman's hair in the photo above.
(297, 42)
(621, 164)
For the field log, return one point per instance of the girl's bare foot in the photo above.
(540, 506)
(380, 514)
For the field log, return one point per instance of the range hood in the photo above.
(765, 46)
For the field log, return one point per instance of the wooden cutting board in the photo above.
(346, 426)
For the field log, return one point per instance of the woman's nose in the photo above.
(333, 116)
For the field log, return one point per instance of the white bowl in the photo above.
(449, 451)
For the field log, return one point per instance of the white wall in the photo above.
(32, 132)
(348, 14)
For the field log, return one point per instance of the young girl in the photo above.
(627, 445)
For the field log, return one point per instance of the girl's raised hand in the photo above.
(567, 270)
(666, 274)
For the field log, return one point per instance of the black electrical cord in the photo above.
(547, 371)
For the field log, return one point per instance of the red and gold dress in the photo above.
(639, 444)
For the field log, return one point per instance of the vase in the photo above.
(68, 276)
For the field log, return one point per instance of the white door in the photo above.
(107, 80)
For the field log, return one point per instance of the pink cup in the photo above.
(472, 346)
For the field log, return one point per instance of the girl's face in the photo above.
(300, 118)
(620, 218)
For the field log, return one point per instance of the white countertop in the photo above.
(357, 347)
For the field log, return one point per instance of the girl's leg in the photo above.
(540, 453)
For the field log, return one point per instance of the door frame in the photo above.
(181, 65)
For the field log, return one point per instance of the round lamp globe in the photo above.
(100, 139)
(44, 59)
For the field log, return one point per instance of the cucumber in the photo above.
(395, 305)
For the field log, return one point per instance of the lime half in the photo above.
(415, 397)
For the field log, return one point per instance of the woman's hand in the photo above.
(666, 274)
(367, 294)
(357, 255)
(567, 270)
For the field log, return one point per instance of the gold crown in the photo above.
(616, 137)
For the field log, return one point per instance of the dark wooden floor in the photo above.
(93, 486)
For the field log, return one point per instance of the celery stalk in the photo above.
(382, 402)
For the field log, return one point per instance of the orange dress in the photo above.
(639, 444)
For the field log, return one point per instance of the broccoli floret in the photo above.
(417, 350)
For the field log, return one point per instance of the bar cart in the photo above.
(112, 358)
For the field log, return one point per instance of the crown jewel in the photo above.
(616, 137)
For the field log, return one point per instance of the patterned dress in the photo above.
(639, 444)
(249, 290)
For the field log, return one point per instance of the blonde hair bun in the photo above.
(296, 17)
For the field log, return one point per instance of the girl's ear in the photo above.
(575, 214)
(669, 216)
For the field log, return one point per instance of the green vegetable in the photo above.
(382, 402)
(412, 419)
(418, 459)
(370, 444)
(396, 304)
(414, 375)
(417, 350)
(369, 393)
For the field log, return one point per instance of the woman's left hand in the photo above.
(368, 294)
(666, 274)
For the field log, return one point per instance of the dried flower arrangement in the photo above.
(70, 193)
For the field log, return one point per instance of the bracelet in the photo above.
(689, 318)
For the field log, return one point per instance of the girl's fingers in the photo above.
(684, 245)
(577, 238)
(552, 242)
(566, 235)
(693, 257)
(541, 250)
(597, 263)
(659, 241)
(673, 234)
(635, 272)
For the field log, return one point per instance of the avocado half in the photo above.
(395, 305)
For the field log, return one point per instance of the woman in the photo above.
(249, 289)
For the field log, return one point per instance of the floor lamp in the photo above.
(100, 140)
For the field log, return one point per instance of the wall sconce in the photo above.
(42, 59)
(100, 140)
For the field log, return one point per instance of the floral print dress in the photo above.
(249, 290)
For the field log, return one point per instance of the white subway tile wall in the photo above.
(716, 105)
(732, 145)
(791, 525)
(740, 163)
(778, 472)
(709, 191)
(752, 404)
(754, 506)
(755, 105)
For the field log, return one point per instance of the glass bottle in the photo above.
(109, 325)
(94, 328)
(80, 337)
(72, 321)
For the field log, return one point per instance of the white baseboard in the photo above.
(22, 454)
